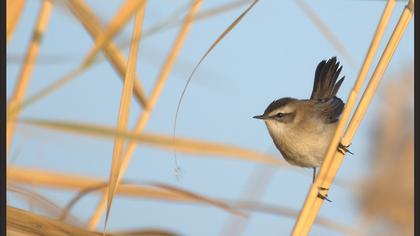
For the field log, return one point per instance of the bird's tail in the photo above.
(325, 83)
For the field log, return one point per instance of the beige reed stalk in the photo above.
(144, 118)
(14, 9)
(353, 95)
(117, 59)
(58, 180)
(27, 66)
(334, 158)
(124, 14)
(103, 39)
(113, 54)
(124, 110)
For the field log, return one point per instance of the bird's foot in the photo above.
(343, 149)
(323, 197)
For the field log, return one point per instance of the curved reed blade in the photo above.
(28, 223)
(217, 41)
(40, 201)
(86, 185)
(124, 111)
(200, 198)
(167, 142)
(21, 222)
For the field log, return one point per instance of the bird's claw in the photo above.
(343, 149)
(323, 197)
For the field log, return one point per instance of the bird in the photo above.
(302, 129)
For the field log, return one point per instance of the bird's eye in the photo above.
(279, 115)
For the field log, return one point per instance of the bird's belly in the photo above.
(306, 149)
(303, 156)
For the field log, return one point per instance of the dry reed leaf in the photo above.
(217, 41)
(199, 198)
(117, 59)
(25, 223)
(118, 22)
(124, 110)
(179, 144)
(88, 184)
(40, 201)
(14, 9)
(326, 32)
(191, 197)
(27, 66)
(89, 20)
(145, 115)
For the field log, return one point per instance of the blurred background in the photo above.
(271, 53)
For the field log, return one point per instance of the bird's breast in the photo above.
(302, 146)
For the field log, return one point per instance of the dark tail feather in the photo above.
(325, 82)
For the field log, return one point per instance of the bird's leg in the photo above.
(314, 174)
(343, 149)
(323, 197)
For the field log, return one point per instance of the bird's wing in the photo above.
(328, 110)
(325, 82)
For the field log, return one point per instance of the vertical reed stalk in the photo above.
(14, 10)
(350, 102)
(124, 111)
(144, 118)
(334, 158)
(27, 66)
(103, 36)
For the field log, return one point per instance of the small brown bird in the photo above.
(302, 129)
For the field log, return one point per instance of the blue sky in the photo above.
(272, 53)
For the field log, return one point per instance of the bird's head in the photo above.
(280, 113)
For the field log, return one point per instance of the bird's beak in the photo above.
(261, 117)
